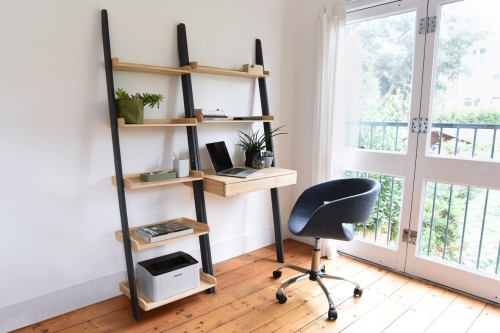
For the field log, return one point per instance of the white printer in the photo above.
(168, 275)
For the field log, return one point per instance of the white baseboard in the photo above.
(43, 307)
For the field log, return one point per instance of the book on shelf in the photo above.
(248, 118)
(162, 231)
(210, 112)
(214, 117)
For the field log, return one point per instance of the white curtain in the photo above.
(329, 106)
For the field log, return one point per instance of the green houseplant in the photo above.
(268, 158)
(254, 143)
(131, 107)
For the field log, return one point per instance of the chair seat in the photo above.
(329, 209)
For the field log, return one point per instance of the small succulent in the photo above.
(148, 99)
(267, 153)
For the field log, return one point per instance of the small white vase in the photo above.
(269, 161)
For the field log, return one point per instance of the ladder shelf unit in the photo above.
(267, 118)
(129, 288)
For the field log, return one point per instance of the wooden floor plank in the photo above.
(245, 302)
(354, 308)
(298, 295)
(458, 317)
(264, 265)
(487, 321)
(266, 278)
(424, 312)
(169, 316)
(300, 317)
(396, 304)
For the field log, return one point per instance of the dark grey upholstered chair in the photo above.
(329, 210)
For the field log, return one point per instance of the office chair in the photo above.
(329, 210)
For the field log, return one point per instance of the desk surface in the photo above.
(267, 178)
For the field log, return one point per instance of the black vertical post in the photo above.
(194, 153)
(118, 164)
(259, 60)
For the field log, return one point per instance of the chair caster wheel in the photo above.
(323, 269)
(358, 292)
(277, 274)
(281, 298)
(332, 314)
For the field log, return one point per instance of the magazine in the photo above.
(162, 231)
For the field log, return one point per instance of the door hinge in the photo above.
(410, 236)
(419, 125)
(427, 25)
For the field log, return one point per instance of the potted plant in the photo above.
(268, 158)
(253, 144)
(131, 108)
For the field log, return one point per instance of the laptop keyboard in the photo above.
(233, 171)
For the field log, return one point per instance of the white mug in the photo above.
(181, 168)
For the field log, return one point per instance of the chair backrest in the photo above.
(321, 209)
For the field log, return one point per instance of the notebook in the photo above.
(221, 162)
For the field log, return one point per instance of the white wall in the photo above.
(58, 209)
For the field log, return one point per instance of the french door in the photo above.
(441, 184)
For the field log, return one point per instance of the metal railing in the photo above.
(444, 234)
(383, 225)
(391, 136)
(460, 225)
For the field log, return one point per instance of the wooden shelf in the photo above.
(265, 179)
(224, 71)
(199, 119)
(133, 181)
(139, 244)
(140, 68)
(159, 123)
(145, 303)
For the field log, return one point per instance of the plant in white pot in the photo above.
(131, 108)
(268, 158)
(253, 144)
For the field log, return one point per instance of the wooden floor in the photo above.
(245, 302)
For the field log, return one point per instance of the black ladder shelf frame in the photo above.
(189, 105)
(275, 200)
(194, 158)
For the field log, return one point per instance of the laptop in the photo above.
(221, 162)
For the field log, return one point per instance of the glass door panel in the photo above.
(383, 84)
(460, 225)
(466, 96)
(380, 71)
(456, 197)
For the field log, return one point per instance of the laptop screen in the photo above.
(219, 156)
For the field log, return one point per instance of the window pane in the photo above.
(460, 225)
(379, 76)
(383, 225)
(466, 101)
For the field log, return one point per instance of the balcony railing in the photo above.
(465, 140)
(460, 223)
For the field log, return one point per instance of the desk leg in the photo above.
(280, 254)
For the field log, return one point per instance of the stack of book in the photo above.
(211, 114)
(162, 231)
